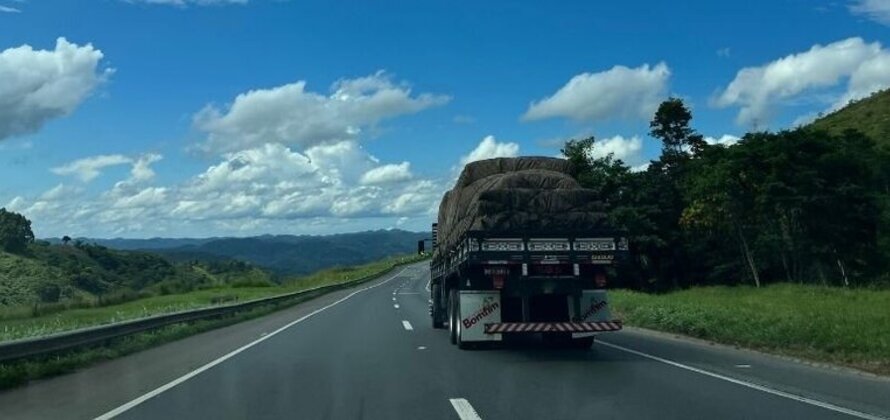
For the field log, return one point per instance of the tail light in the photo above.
(497, 275)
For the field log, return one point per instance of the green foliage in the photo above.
(123, 304)
(870, 116)
(798, 206)
(15, 231)
(798, 320)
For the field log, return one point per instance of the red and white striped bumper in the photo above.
(575, 327)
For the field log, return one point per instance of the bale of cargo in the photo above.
(527, 194)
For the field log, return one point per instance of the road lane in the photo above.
(360, 359)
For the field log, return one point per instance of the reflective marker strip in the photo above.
(464, 410)
(509, 327)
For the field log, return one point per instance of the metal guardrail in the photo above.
(70, 340)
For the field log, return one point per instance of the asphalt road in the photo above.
(370, 353)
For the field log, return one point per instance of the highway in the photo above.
(370, 353)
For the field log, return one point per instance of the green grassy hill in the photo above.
(870, 116)
(86, 273)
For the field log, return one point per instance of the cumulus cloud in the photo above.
(87, 169)
(757, 90)
(142, 167)
(618, 93)
(490, 148)
(876, 10)
(41, 85)
(724, 140)
(267, 188)
(387, 174)
(293, 116)
(627, 149)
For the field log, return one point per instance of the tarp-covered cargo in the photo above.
(527, 194)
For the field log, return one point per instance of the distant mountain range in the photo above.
(281, 254)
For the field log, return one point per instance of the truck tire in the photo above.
(436, 311)
(461, 344)
(452, 317)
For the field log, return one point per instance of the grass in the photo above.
(842, 326)
(22, 371)
(18, 323)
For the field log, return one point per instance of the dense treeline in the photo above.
(800, 206)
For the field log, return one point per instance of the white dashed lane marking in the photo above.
(407, 325)
(464, 410)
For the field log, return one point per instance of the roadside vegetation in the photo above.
(779, 241)
(830, 324)
(17, 323)
(19, 372)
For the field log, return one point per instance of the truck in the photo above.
(520, 248)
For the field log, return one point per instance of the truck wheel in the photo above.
(461, 344)
(452, 317)
(436, 313)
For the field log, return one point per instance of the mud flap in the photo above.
(594, 308)
(477, 308)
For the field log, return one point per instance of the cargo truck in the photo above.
(520, 248)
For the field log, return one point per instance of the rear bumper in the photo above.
(534, 327)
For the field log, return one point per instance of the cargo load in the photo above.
(528, 194)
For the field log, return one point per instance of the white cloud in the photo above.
(293, 116)
(724, 140)
(41, 85)
(757, 90)
(142, 167)
(617, 93)
(87, 169)
(387, 174)
(626, 149)
(876, 10)
(489, 148)
(8, 9)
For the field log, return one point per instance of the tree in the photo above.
(671, 125)
(15, 231)
(66, 239)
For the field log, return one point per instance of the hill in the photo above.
(870, 116)
(47, 273)
(295, 255)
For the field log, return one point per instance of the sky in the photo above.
(199, 118)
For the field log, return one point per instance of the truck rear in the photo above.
(524, 250)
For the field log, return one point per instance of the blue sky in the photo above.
(356, 115)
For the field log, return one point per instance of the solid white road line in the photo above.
(407, 325)
(464, 410)
(161, 389)
(776, 392)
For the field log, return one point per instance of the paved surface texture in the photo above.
(370, 353)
